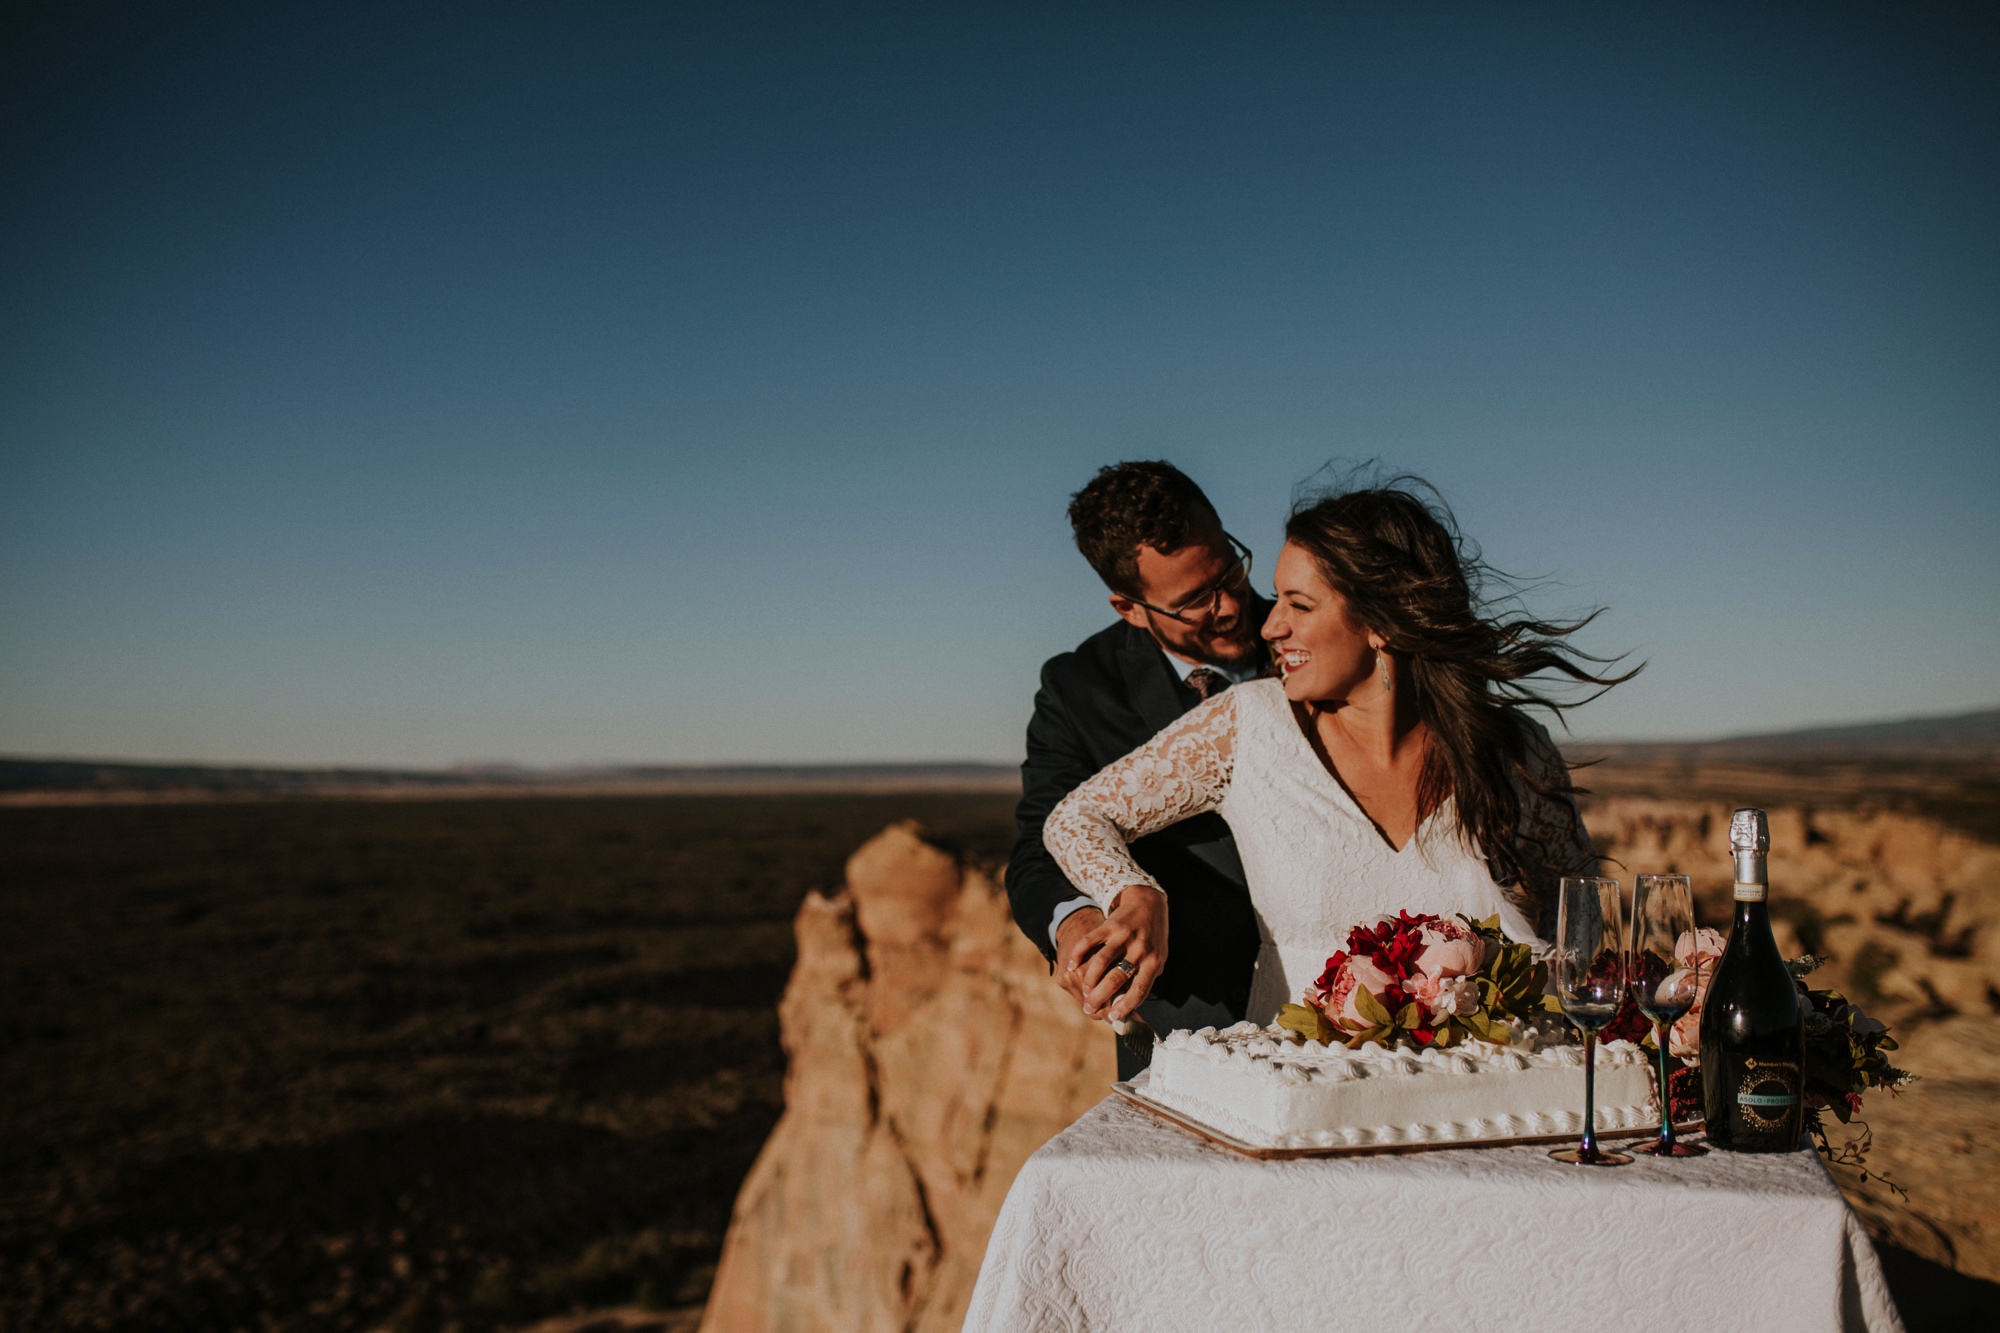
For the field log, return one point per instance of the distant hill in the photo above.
(1964, 737)
(69, 781)
(1946, 768)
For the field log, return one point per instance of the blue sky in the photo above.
(681, 383)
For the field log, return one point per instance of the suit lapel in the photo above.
(1149, 681)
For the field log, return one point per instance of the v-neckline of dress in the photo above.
(1326, 769)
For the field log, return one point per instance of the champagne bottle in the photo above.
(1752, 1023)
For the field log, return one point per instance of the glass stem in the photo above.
(1589, 1152)
(1666, 1099)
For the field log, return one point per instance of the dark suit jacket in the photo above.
(1098, 704)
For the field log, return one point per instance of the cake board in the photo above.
(1223, 1139)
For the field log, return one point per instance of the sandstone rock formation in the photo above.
(929, 1055)
(1906, 906)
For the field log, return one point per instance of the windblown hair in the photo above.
(1394, 551)
(1129, 505)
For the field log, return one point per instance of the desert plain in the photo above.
(477, 1063)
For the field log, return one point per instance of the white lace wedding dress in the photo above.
(1316, 865)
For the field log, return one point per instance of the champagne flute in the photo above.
(1590, 985)
(1662, 912)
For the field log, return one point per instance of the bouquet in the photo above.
(1424, 980)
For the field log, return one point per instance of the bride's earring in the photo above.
(1388, 672)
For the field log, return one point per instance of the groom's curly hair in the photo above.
(1129, 505)
(1394, 551)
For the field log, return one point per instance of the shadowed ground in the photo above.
(342, 1065)
(431, 1065)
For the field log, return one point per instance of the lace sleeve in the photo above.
(1182, 772)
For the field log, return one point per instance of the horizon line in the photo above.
(473, 768)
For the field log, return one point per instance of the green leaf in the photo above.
(1370, 1007)
(1298, 1018)
(1805, 964)
(1308, 1023)
(1409, 1017)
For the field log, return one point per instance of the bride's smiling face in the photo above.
(1324, 653)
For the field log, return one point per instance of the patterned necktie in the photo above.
(1205, 682)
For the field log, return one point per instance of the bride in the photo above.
(1392, 767)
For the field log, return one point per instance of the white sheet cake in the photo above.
(1266, 1088)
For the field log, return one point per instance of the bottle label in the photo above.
(1769, 1093)
(1751, 893)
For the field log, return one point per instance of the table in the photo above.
(1123, 1221)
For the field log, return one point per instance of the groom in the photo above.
(1187, 628)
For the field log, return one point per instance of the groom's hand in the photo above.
(1073, 928)
(1136, 933)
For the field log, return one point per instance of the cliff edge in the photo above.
(929, 1055)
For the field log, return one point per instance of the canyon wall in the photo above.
(1904, 904)
(929, 1055)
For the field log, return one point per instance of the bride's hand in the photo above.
(1136, 933)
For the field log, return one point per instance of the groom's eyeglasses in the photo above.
(1202, 605)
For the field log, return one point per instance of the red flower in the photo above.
(1629, 1025)
(1324, 986)
(1392, 943)
(1387, 951)
(1684, 1092)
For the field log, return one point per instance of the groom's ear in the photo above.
(1129, 611)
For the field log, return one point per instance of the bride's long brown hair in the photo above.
(1394, 551)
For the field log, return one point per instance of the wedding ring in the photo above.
(1126, 966)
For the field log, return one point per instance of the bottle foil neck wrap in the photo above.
(1752, 880)
(1750, 867)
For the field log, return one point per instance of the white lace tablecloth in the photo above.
(1125, 1222)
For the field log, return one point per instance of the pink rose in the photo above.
(1447, 997)
(1356, 974)
(1684, 1038)
(1698, 949)
(1450, 950)
(1680, 988)
(1697, 952)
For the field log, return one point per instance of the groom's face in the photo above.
(1224, 633)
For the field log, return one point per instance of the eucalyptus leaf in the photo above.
(1370, 1007)
(1805, 964)
(1306, 1021)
